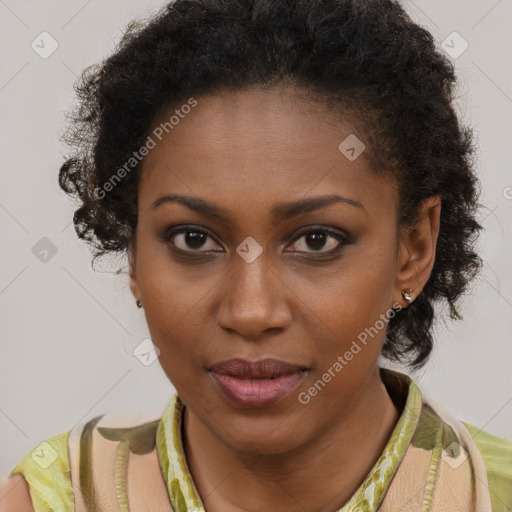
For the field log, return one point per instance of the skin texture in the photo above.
(15, 495)
(248, 151)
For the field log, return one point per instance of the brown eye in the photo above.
(189, 239)
(319, 240)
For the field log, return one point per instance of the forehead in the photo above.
(259, 145)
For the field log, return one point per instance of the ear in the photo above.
(132, 262)
(417, 250)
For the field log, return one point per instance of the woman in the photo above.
(294, 193)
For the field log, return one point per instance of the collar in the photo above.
(185, 497)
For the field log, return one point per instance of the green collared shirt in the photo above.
(422, 437)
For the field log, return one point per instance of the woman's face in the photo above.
(295, 291)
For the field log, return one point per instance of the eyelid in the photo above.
(177, 230)
(342, 237)
(336, 232)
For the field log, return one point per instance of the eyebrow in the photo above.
(281, 211)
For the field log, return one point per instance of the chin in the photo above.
(260, 436)
(260, 444)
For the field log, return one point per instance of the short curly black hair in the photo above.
(366, 57)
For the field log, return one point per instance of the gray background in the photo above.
(67, 332)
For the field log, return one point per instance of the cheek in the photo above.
(171, 291)
(172, 305)
(355, 302)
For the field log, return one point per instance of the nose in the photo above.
(254, 299)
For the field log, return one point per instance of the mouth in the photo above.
(256, 384)
(263, 369)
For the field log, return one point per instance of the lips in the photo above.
(263, 369)
(256, 384)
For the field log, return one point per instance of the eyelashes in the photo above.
(194, 241)
(190, 235)
(320, 238)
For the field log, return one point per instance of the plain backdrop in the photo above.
(67, 332)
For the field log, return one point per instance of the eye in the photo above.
(191, 239)
(318, 239)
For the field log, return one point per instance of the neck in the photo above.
(320, 475)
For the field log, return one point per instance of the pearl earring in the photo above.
(406, 294)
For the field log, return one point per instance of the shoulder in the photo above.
(15, 495)
(497, 455)
(41, 479)
(86, 465)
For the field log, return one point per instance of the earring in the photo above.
(406, 294)
(139, 303)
